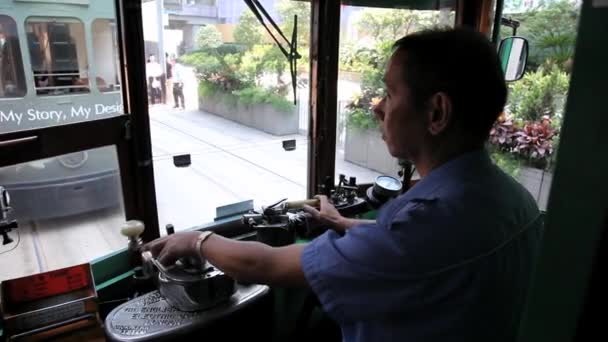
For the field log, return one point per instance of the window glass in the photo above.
(105, 55)
(58, 55)
(366, 38)
(221, 91)
(525, 138)
(59, 67)
(12, 81)
(68, 209)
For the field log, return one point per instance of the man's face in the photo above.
(403, 127)
(152, 59)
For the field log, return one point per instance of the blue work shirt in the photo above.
(449, 260)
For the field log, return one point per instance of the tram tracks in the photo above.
(230, 152)
(37, 244)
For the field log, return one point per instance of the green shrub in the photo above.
(256, 95)
(538, 94)
(207, 89)
(509, 163)
(204, 63)
(361, 118)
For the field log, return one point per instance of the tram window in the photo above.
(229, 104)
(12, 81)
(366, 40)
(536, 103)
(69, 210)
(58, 55)
(105, 55)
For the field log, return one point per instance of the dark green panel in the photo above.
(577, 204)
(110, 266)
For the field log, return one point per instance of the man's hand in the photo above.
(328, 214)
(173, 247)
(246, 261)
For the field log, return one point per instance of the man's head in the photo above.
(444, 87)
(152, 58)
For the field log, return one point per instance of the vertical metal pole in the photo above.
(135, 155)
(324, 54)
(497, 20)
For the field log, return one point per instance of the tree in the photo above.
(248, 30)
(262, 59)
(551, 31)
(208, 37)
(287, 10)
(383, 24)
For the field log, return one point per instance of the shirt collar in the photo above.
(464, 166)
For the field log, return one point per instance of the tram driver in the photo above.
(450, 259)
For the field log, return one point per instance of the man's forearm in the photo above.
(255, 262)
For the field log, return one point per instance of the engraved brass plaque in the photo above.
(151, 317)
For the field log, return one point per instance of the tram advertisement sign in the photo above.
(23, 116)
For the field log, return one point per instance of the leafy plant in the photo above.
(535, 141)
(360, 110)
(539, 93)
(503, 134)
(531, 142)
(256, 95)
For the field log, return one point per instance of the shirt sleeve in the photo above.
(357, 275)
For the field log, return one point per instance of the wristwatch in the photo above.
(199, 242)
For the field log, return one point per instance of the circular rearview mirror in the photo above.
(513, 53)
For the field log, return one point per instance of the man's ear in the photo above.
(440, 113)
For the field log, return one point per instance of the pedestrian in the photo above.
(178, 85)
(154, 73)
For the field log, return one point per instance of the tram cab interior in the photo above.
(91, 168)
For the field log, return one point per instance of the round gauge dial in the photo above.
(389, 183)
(386, 186)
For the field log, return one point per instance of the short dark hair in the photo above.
(463, 64)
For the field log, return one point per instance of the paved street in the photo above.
(230, 163)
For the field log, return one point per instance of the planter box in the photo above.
(366, 148)
(260, 116)
(538, 183)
